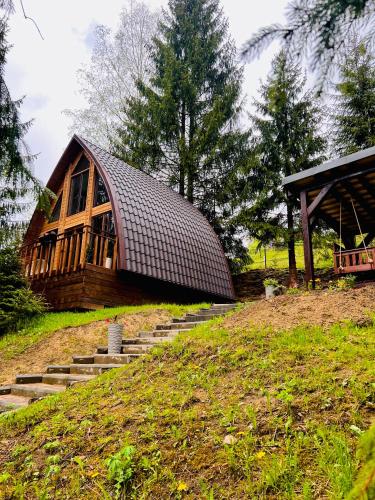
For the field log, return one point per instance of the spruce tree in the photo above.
(354, 111)
(183, 129)
(317, 29)
(285, 141)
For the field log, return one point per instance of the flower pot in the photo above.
(115, 338)
(271, 291)
(108, 263)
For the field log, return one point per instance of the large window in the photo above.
(100, 193)
(78, 187)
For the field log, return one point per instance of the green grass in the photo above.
(15, 343)
(217, 414)
(277, 258)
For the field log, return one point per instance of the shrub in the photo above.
(344, 283)
(271, 282)
(18, 303)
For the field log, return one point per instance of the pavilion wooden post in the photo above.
(307, 244)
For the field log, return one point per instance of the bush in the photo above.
(344, 283)
(18, 304)
(271, 282)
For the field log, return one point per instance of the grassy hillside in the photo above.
(15, 343)
(225, 411)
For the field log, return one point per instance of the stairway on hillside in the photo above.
(31, 387)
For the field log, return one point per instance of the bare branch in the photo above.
(31, 19)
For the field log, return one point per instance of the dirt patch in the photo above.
(59, 347)
(323, 308)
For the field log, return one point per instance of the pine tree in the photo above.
(16, 178)
(184, 127)
(354, 111)
(285, 141)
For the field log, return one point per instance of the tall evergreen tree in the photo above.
(285, 141)
(183, 129)
(318, 29)
(16, 178)
(354, 110)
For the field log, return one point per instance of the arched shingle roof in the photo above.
(161, 234)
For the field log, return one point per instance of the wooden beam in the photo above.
(359, 199)
(318, 185)
(319, 198)
(307, 246)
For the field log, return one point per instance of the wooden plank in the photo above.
(114, 258)
(77, 251)
(46, 259)
(307, 245)
(85, 240)
(71, 241)
(96, 243)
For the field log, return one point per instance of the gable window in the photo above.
(55, 216)
(78, 186)
(100, 193)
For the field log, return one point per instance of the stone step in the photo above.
(9, 402)
(58, 369)
(29, 378)
(206, 312)
(33, 391)
(188, 325)
(93, 369)
(201, 317)
(5, 389)
(84, 360)
(129, 348)
(178, 320)
(113, 359)
(228, 307)
(141, 341)
(66, 379)
(162, 334)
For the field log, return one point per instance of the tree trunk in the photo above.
(293, 276)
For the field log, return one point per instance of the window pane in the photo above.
(78, 193)
(56, 211)
(82, 165)
(83, 194)
(75, 189)
(101, 195)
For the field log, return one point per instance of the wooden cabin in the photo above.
(117, 236)
(341, 193)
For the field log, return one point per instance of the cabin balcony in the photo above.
(57, 255)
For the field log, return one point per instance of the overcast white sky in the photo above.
(45, 71)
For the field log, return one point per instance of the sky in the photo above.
(44, 71)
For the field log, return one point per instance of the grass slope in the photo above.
(13, 344)
(219, 413)
(277, 258)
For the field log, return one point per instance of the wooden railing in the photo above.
(351, 261)
(69, 252)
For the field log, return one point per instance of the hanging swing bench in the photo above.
(359, 259)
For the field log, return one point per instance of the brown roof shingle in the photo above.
(163, 235)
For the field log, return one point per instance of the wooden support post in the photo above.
(307, 246)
